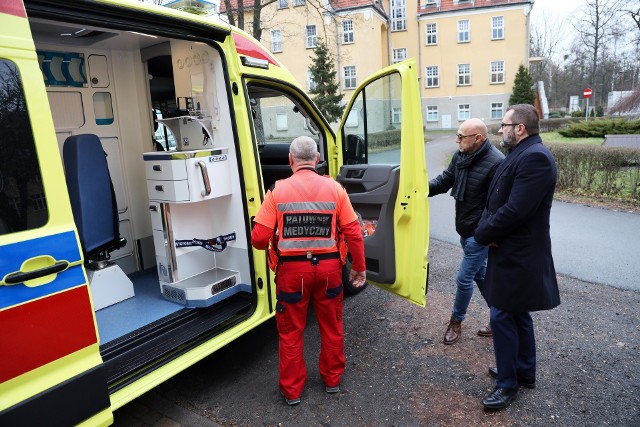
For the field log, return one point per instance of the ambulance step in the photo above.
(136, 354)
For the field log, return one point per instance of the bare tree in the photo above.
(596, 26)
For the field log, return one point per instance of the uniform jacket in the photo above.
(520, 272)
(479, 175)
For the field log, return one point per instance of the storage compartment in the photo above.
(204, 289)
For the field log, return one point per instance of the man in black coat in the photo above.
(520, 274)
(468, 176)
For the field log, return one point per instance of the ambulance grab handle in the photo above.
(205, 178)
(20, 277)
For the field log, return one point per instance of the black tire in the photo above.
(349, 289)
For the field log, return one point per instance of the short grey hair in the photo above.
(304, 149)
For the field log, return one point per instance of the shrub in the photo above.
(577, 113)
(600, 128)
(592, 169)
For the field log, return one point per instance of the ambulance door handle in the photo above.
(205, 178)
(20, 277)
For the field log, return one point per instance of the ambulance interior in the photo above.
(160, 109)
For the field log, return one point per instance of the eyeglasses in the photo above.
(502, 125)
(460, 136)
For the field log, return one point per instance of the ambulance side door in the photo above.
(381, 140)
(51, 366)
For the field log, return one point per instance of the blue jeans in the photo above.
(472, 268)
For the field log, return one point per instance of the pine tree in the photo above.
(326, 88)
(522, 88)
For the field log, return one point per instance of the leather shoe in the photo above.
(454, 331)
(500, 398)
(522, 381)
(485, 331)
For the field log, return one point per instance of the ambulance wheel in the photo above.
(349, 289)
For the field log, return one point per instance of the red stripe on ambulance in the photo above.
(45, 330)
(13, 7)
(245, 46)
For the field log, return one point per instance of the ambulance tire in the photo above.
(349, 289)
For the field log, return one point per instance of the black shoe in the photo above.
(332, 390)
(290, 402)
(500, 398)
(522, 381)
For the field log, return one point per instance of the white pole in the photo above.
(586, 115)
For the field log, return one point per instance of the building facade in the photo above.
(468, 51)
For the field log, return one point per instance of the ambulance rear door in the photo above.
(51, 370)
(381, 139)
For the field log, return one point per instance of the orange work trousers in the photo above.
(298, 283)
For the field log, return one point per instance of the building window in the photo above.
(312, 36)
(311, 83)
(464, 112)
(276, 41)
(497, 72)
(432, 113)
(349, 76)
(464, 74)
(281, 121)
(299, 2)
(464, 35)
(347, 31)
(430, 2)
(432, 76)
(396, 115)
(283, 4)
(399, 54)
(431, 31)
(496, 111)
(497, 27)
(398, 15)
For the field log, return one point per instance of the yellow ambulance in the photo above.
(136, 145)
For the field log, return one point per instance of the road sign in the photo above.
(587, 93)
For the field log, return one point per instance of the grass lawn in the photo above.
(556, 137)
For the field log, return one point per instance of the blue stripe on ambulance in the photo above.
(62, 247)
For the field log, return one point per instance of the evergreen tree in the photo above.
(325, 92)
(522, 88)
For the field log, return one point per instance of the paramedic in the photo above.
(304, 221)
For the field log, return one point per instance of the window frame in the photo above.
(499, 73)
(499, 29)
(465, 76)
(283, 4)
(311, 41)
(464, 113)
(311, 84)
(349, 78)
(396, 115)
(431, 35)
(431, 110)
(494, 108)
(398, 15)
(274, 43)
(463, 31)
(429, 78)
(398, 58)
(348, 33)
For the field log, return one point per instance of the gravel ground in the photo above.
(400, 374)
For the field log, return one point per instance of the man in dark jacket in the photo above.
(468, 176)
(520, 275)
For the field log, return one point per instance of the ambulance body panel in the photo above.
(195, 119)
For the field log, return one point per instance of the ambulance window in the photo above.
(23, 204)
(103, 108)
(371, 133)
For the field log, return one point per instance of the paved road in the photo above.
(591, 244)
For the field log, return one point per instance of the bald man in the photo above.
(468, 177)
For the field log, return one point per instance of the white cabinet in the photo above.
(186, 191)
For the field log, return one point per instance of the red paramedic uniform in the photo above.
(309, 214)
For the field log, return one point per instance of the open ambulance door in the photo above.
(381, 140)
(51, 372)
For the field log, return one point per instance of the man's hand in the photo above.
(357, 278)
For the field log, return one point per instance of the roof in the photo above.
(440, 6)
(632, 141)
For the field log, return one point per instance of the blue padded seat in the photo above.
(92, 198)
